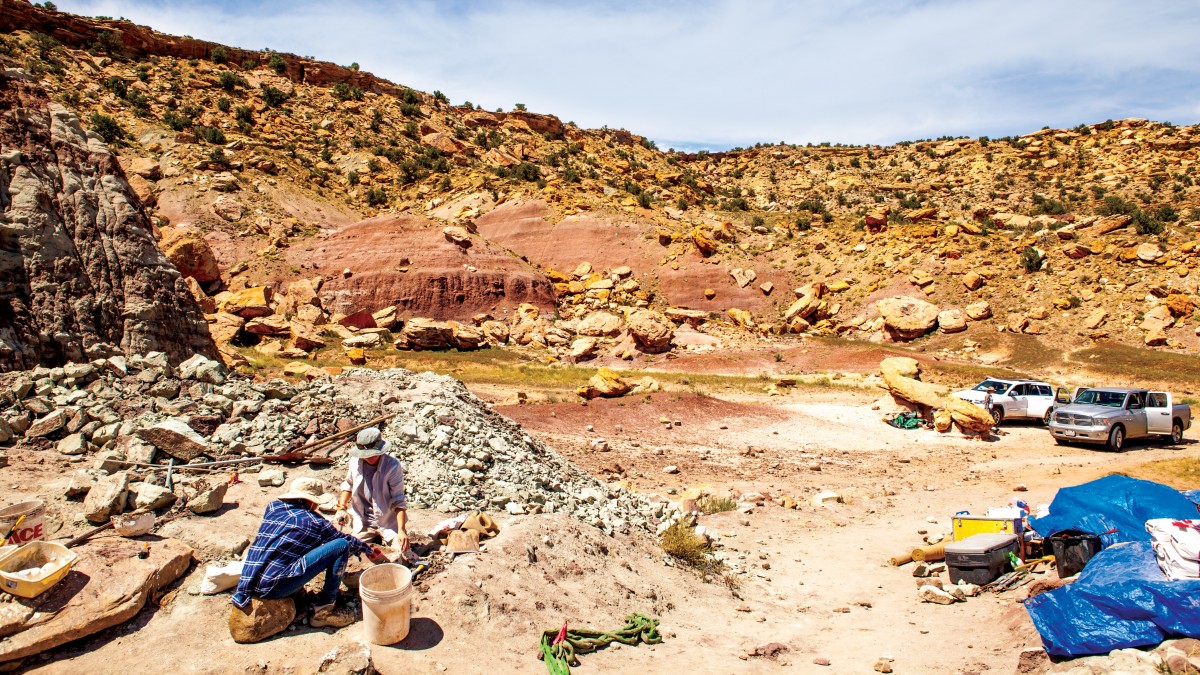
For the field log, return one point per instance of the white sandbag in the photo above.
(219, 578)
(1184, 535)
(1174, 566)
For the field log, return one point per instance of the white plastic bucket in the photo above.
(386, 592)
(32, 528)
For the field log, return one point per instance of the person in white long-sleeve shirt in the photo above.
(373, 494)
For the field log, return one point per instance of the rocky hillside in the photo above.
(259, 167)
(80, 274)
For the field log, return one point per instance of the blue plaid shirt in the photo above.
(287, 533)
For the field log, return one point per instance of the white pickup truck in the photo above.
(1013, 399)
(1112, 416)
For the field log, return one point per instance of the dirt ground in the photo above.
(818, 584)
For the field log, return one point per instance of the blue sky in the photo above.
(722, 73)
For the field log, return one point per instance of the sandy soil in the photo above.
(819, 581)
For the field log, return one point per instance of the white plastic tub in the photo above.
(386, 592)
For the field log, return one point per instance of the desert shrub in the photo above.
(710, 504)
(682, 542)
(243, 113)
(344, 91)
(1114, 205)
(223, 104)
(272, 96)
(216, 157)
(1031, 259)
(526, 171)
(249, 64)
(757, 221)
(230, 80)
(277, 64)
(410, 110)
(377, 196)
(570, 175)
(107, 127)
(210, 135)
(644, 200)
(1048, 206)
(117, 86)
(176, 121)
(107, 42)
(218, 54)
(139, 102)
(352, 177)
(1167, 213)
(1146, 223)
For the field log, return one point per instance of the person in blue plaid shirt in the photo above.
(293, 545)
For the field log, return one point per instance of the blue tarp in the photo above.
(1113, 503)
(1120, 600)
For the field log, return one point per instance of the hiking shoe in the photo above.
(332, 616)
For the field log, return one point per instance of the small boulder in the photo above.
(652, 331)
(952, 320)
(106, 498)
(47, 425)
(261, 619)
(152, 497)
(209, 500)
(176, 438)
(271, 478)
(73, 444)
(907, 318)
(606, 383)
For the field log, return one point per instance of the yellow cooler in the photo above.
(969, 526)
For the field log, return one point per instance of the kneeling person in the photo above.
(373, 493)
(293, 545)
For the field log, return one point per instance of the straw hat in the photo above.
(369, 444)
(309, 489)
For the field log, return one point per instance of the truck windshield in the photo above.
(1109, 399)
(1000, 387)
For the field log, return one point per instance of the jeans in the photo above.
(330, 558)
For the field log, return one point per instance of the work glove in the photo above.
(342, 519)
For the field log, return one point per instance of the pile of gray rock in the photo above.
(122, 414)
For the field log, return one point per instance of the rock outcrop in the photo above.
(80, 275)
(900, 377)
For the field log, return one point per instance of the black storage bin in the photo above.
(980, 559)
(1072, 550)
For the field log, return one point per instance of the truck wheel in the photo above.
(997, 415)
(1116, 438)
(1062, 441)
(1177, 433)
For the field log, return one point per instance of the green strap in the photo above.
(560, 657)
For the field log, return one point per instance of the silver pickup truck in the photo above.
(1112, 416)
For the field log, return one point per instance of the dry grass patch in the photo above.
(1182, 473)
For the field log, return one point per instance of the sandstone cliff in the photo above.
(80, 274)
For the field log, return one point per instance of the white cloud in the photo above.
(730, 72)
